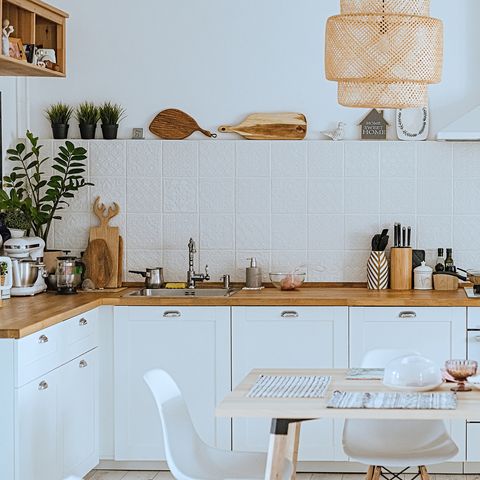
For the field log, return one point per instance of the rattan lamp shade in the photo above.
(384, 53)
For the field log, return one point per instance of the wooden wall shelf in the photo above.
(38, 23)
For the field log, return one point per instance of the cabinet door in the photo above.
(79, 400)
(289, 337)
(38, 429)
(193, 345)
(438, 333)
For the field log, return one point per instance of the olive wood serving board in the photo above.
(173, 124)
(98, 263)
(270, 126)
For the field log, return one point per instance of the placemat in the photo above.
(365, 374)
(394, 400)
(283, 386)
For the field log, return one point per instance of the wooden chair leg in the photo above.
(369, 474)
(376, 473)
(423, 472)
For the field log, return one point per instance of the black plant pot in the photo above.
(87, 131)
(60, 130)
(109, 131)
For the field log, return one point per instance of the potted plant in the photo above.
(87, 116)
(17, 222)
(111, 114)
(37, 195)
(3, 272)
(59, 115)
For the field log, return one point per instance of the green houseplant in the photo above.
(87, 116)
(17, 222)
(111, 114)
(30, 190)
(3, 272)
(59, 115)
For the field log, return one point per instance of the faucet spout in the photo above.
(192, 277)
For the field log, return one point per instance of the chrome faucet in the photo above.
(192, 277)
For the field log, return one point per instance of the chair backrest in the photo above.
(379, 358)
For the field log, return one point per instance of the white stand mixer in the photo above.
(27, 265)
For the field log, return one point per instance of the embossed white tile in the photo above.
(466, 197)
(289, 232)
(175, 263)
(398, 159)
(220, 262)
(289, 195)
(217, 231)
(359, 230)
(72, 231)
(434, 159)
(144, 195)
(108, 158)
(217, 195)
(466, 160)
(398, 195)
(140, 260)
(466, 232)
(110, 189)
(242, 262)
(325, 195)
(325, 266)
(362, 195)
(80, 202)
(435, 196)
(362, 159)
(144, 158)
(180, 195)
(180, 158)
(252, 232)
(178, 229)
(253, 195)
(325, 159)
(289, 261)
(144, 231)
(288, 159)
(435, 231)
(356, 266)
(326, 232)
(252, 159)
(217, 158)
(466, 258)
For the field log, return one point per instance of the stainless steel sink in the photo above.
(182, 292)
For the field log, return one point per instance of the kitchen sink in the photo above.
(182, 292)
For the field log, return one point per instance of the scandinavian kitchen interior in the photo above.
(239, 240)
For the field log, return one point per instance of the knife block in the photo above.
(401, 268)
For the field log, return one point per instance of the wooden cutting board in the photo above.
(270, 126)
(111, 235)
(173, 124)
(98, 263)
(120, 262)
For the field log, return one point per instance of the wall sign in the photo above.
(413, 124)
(374, 126)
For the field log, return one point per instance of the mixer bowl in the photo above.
(26, 274)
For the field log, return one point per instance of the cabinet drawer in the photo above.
(473, 442)
(188, 314)
(80, 334)
(275, 314)
(39, 353)
(412, 314)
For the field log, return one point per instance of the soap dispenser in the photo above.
(253, 274)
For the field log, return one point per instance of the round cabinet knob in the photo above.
(42, 339)
(82, 364)
(83, 322)
(43, 385)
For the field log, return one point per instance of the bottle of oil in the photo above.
(449, 263)
(440, 263)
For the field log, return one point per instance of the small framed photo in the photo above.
(137, 134)
(16, 49)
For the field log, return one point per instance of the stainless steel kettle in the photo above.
(153, 277)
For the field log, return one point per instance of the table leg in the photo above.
(283, 447)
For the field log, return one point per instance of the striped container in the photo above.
(377, 271)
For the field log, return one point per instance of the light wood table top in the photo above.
(237, 404)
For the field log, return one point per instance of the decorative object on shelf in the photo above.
(377, 265)
(38, 196)
(16, 50)
(30, 50)
(384, 54)
(137, 134)
(111, 114)
(88, 117)
(17, 222)
(270, 126)
(59, 115)
(336, 134)
(173, 124)
(45, 55)
(7, 30)
(374, 126)
(413, 123)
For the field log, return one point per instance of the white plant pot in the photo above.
(17, 233)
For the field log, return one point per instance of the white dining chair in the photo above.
(188, 457)
(385, 444)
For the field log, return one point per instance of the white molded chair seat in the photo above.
(188, 457)
(396, 443)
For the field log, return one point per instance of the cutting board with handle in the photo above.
(173, 124)
(98, 263)
(111, 235)
(270, 126)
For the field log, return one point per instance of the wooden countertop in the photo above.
(23, 316)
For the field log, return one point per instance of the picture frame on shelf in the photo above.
(16, 50)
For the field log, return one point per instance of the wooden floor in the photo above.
(150, 475)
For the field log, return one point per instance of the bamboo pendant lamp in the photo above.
(384, 53)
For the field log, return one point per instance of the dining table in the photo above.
(288, 414)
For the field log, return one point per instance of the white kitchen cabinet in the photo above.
(190, 343)
(438, 333)
(289, 337)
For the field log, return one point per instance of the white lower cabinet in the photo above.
(438, 333)
(289, 337)
(190, 343)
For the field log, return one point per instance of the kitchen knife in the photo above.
(404, 237)
(409, 236)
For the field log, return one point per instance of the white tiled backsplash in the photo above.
(313, 203)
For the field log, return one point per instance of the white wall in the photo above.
(221, 60)
(9, 88)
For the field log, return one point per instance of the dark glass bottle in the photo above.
(449, 263)
(440, 263)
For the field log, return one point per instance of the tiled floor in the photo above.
(150, 475)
